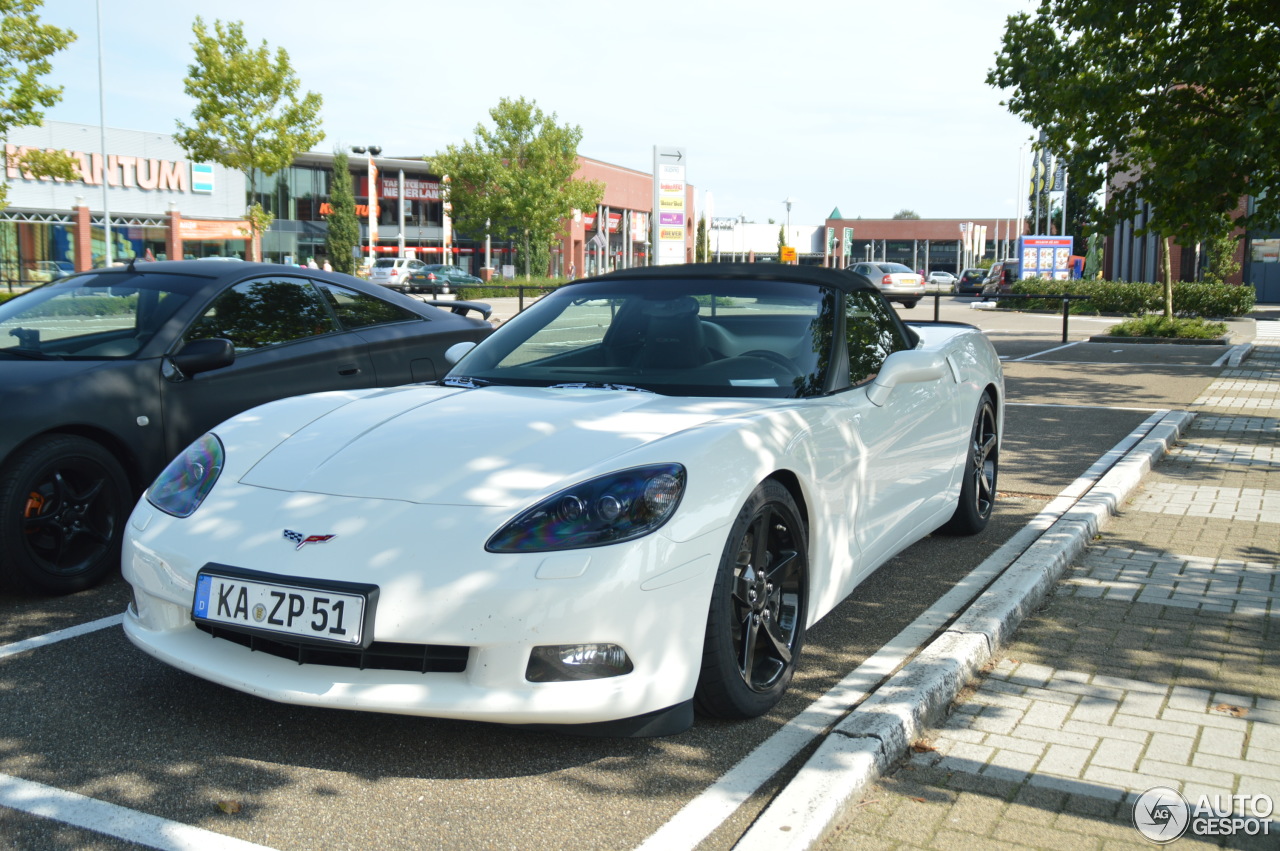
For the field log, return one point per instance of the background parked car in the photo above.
(107, 375)
(943, 282)
(999, 279)
(897, 282)
(393, 271)
(970, 282)
(438, 278)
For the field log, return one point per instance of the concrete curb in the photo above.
(880, 730)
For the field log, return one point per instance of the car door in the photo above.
(403, 346)
(287, 343)
(905, 444)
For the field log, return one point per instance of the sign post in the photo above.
(670, 218)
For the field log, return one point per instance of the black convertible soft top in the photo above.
(840, 279)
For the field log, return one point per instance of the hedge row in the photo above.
(1135, 299)
(89, 305)
(532, 288)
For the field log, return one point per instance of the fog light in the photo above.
(567, 662)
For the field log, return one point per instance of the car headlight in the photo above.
(187, 480)
(604, 510)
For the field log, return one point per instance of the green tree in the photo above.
(1175, 101)
(25, 48)
(702, 251)
(1220, 258)
(248, 114)
(343, 235)
(782, 239)
(906, 214)
(518, 176)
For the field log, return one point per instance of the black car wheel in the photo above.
(63, 504)
(910, 304)
(982, 464)
(755, 627)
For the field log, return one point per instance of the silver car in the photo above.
(897, 282)
(393, 272)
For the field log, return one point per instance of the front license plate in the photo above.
(318, 614)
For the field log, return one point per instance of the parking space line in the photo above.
(113, 820)
(61, 635)
(1082, 407)
(1046, 352)
(706, 812)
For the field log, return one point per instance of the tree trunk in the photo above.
(1168, 279)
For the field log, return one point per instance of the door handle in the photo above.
(349, 370)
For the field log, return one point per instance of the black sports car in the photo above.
(107, 375)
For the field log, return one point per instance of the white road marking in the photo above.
(61, 635)
(701, 816)
(114, 820)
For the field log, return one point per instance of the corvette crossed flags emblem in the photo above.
(302, 540)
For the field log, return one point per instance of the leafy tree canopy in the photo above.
(248, 114)
(1177, 100)
(25, 48)
(517, 175)
(906, 214)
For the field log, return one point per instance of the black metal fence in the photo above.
(1065, 299)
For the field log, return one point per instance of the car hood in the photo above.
(494, 446)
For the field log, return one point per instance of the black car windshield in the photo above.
(89, 317)
(720, 337)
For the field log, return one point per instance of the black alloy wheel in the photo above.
(981, 469)
(63, 504)
(755, 627)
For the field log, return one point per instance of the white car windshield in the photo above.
(683, 338)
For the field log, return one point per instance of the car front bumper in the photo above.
(437, 586)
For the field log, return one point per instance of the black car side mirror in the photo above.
(200, 356)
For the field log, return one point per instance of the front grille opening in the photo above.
(380, 655)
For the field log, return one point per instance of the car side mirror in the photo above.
(905, 367)
(200, 356)
(457, 352)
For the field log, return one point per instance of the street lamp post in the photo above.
(372, 151)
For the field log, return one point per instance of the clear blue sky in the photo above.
(869, 107)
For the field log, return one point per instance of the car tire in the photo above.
(910, 304)
(64, 501)
(981, 469)
(756, 622)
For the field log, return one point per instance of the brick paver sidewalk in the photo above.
(1155, 663)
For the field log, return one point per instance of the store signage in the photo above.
(202, 229)
(1045, 257)
(326, 209)
(414, 189)
(133, 172)
(669, 187)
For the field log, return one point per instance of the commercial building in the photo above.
(160, 204)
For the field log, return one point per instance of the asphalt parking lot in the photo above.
(188, 764)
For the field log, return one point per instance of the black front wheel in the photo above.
(755, 627)
(981, 466)
(63, 504)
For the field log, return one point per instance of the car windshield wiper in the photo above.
(464, 381)
(598, 385)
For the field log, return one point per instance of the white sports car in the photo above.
(627, 504)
